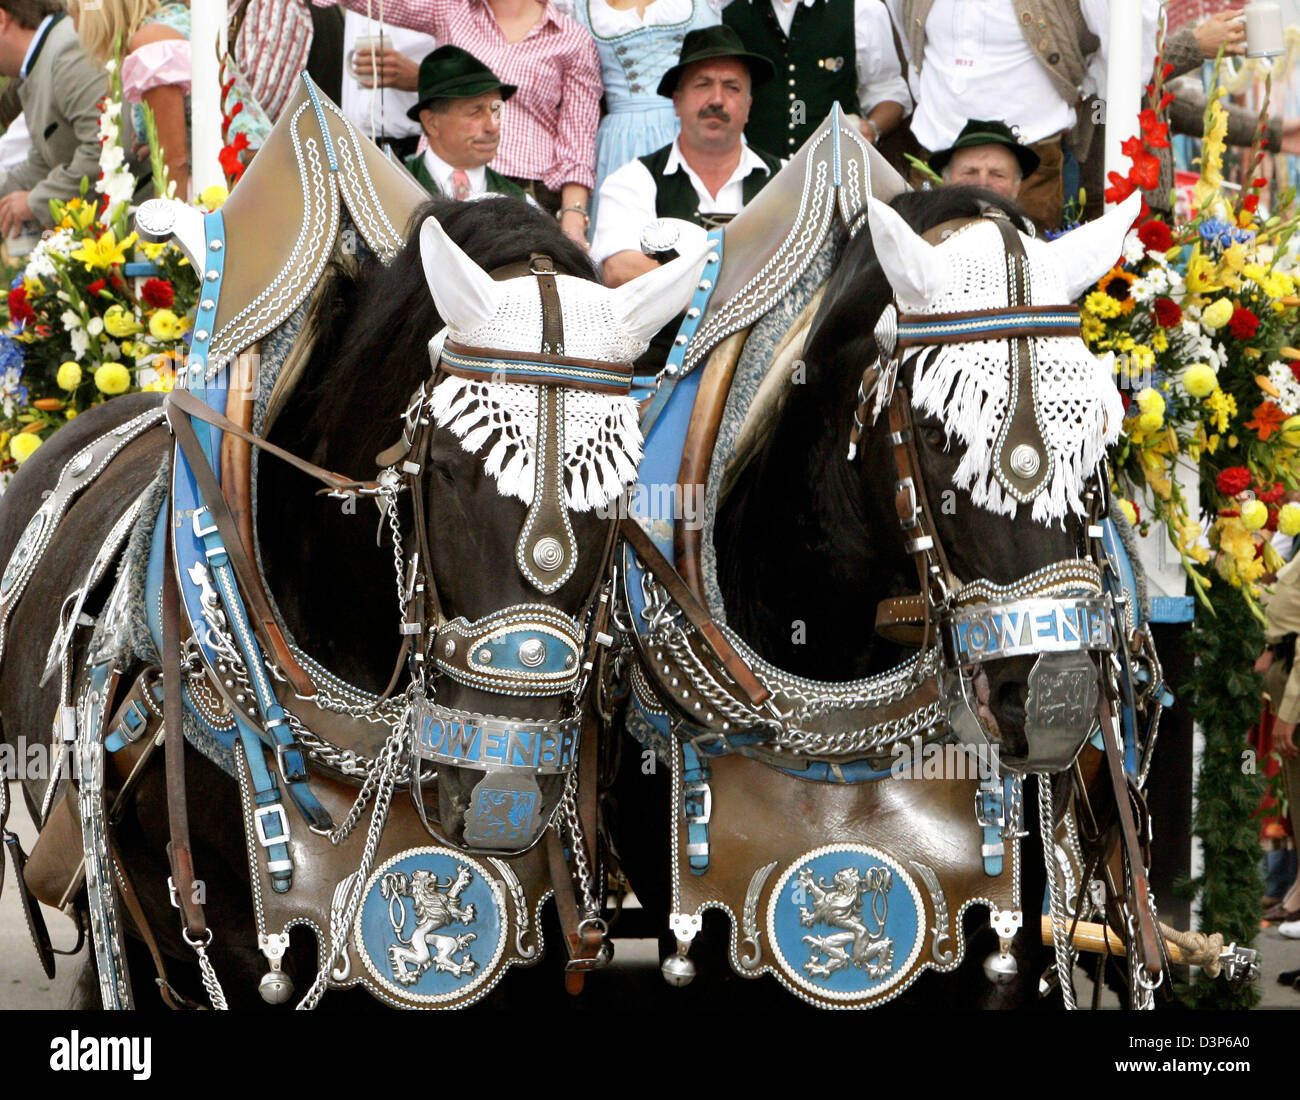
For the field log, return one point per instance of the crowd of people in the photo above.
(610, 113)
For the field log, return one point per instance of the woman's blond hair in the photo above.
(103, 23)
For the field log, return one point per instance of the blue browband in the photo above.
(994, 324)
(489, 365)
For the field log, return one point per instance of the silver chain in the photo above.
(1060, 937)
(343, 910)
(216, 995)
(573, 826)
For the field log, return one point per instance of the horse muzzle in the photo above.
(1063, 686)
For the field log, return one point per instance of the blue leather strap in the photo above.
(697, 808)
(673, 370)
(990, 813)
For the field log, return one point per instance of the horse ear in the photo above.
(912, 264)
(645, 304)
(464, 293)
(1085, 254)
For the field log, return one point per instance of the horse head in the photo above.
(998, 421)
(522, 443)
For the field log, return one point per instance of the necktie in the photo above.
(460, 184)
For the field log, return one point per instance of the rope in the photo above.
(1198, 949)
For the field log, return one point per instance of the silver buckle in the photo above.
(260, 816)
(202, 532)
(697, 789)
(913, 518)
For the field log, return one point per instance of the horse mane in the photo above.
(331, 581)
(384, 314)
(798, 539)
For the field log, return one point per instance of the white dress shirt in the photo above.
(880, 77)
(441, 172)
(381, 112)
(627, 200)
(978, 64)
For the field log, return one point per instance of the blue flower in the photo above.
(11, 356)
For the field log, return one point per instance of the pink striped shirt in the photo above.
(548, 127)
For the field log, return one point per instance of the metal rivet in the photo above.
(1025, 461)
(485, 656)
(692, 313)
(570, 661)
(711, 258)
(548, 553)
(680, 341)
(207, 303)
(705, 284)
(213, 276)
(215, 246)
(201, 335)
(532, 653)
(449, 648)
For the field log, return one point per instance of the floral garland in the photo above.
(1201, 316)
(95, 312)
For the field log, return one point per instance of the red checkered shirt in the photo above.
(548, 127)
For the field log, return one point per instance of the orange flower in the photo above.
(1118, 283)
(1268, 418)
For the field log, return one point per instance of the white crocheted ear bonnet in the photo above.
(967, 385)
(602, 433)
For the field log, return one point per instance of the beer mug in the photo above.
(373, 44)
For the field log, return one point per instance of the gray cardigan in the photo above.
(60, 99)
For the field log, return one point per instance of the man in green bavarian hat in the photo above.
(986, 154)
(460, 111)
(708, 172)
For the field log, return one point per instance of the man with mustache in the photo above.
(706, 175)
(459, 110)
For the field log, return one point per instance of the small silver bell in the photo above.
(678, 971)
(1001, 968)
(276, 987)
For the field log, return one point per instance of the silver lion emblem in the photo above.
(861, 939)
(437, 906)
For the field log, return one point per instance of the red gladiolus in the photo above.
(1120, 189)
(1295, 370)
(20, 309)
(1146, 171)
(97, 286)
(1243, 323)
(1154, 132)
(229, 157)
(1168, 313)
(1155, 237)
(1233, 480)
(1168, 70)
(158, 293)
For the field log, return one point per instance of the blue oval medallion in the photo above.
(845, 922)
(431, 927)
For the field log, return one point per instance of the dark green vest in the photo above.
(676, 198)
(495, 181)
(815, 66)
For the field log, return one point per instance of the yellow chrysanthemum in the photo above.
(214, 197)
(1127, 511)
(1091, 329)
(1159, 341)
(112, 379)
(165, 325)
(1223, 407)
(1254, 514)
(23, 446)
(1217, 314)
(69, 375)
(1199, 380)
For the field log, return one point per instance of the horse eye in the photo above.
(934, 437)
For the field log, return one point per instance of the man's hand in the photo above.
(1224, 29)
(1264, 661)
(15, 212)
(574, 226)
(1284, 739)
(386, 69)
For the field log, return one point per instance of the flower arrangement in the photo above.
(1200, 316)
(96, 312)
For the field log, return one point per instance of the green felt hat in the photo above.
(709, 42)
(982, 132)
(452, 73)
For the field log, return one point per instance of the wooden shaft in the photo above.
(1101, 939)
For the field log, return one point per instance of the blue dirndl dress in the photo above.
(632, 62)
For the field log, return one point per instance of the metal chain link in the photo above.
(1060, 937)
(343, 915)
(573, 826)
